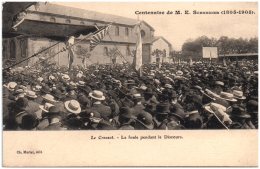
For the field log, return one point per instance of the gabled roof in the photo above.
(148, 25)
(54, 9)
(155, 38)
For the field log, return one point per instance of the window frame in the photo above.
(105, 51)
(117, 31)
(126, 31)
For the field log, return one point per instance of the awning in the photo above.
(57, 31)
(10, 9)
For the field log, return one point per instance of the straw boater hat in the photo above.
(210, 94)
(81, 83)
(96, 94)
(31, 94)
(19, 92)
(11, 86)
(219, 83)
(168, 86)
(49, 98)
(208, 107)
(46, 107)
(179, 73)
(227, 96)
(238, 95)
(40, 79)
(73, 106)
(37, 88)
(143, 87)
(65, 77)
(51, 77)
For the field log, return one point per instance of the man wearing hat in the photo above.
(43, 91)
(58, 97)
(97, 97)
(26, 121)
(149, 98)
(33, 106)
(6, 104)
(176, 117)
(17, 107)
(173, 99)
(218, 87)
(252, 109)
(193, 120)
(239, 96)
(84, 101)
(72, 108)
(90, 120)
(126, 119)
(54, 118)
(144, 121)
(161, 116)
(241, 119)
(138, 106)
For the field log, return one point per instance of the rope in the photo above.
(47, 49)
(31, 56)
(118, 49)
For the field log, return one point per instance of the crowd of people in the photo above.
(202, 95)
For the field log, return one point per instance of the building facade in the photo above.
(47, 24)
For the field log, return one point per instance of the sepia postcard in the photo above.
(124, 84)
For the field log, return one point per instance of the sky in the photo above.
(179, 28)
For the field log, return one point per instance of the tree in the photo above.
(113, 53)
(193, 48)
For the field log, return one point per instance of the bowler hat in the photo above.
(126, 112)
(53, 111)
(45, 89)
(28, 121)
(146, 120)
(239, 112)
(57, 93)
(252, 106)
(162, 108)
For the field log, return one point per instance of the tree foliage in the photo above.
(226, 45)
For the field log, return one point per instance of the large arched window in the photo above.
(12, 50)
(117, 31)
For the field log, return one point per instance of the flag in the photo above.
(97, 37)
(138, 54)
(69, 45)
(70, 56)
